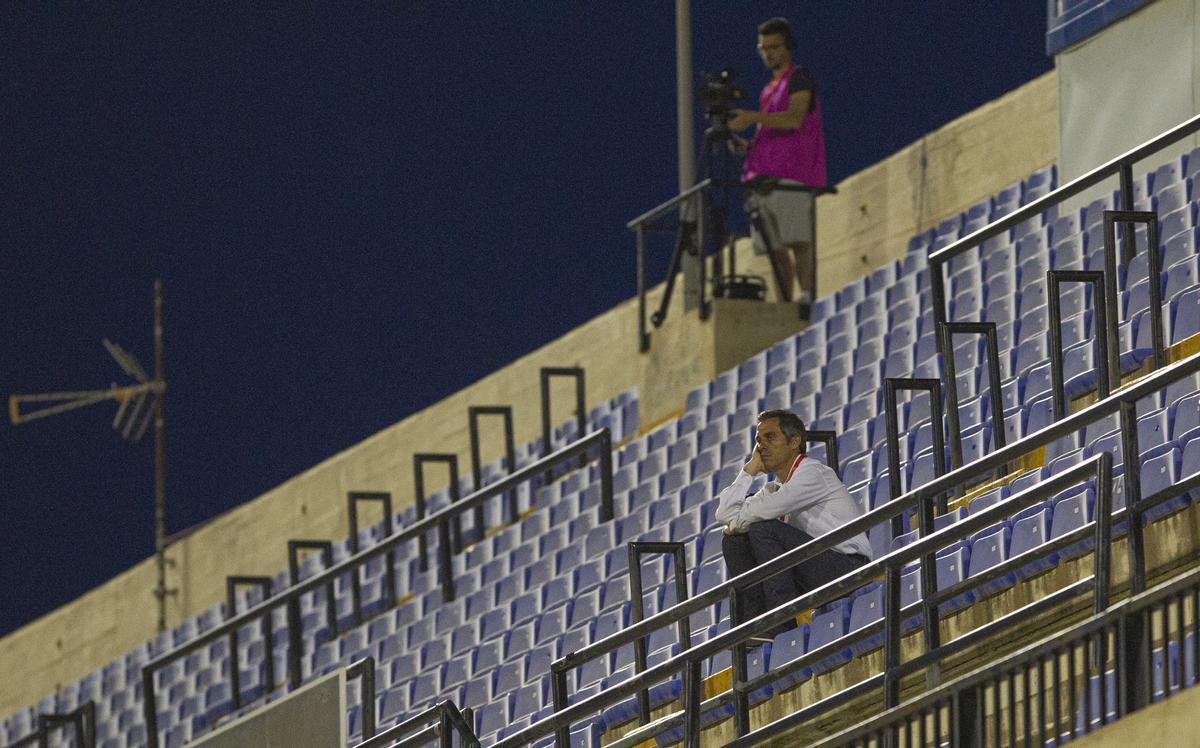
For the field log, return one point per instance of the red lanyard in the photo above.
(795, 465)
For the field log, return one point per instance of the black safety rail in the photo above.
(384, 499)
(1098, 468)
(440, 723)
(1106, 355)
(947, 331)
(1043, 692)
(510, 453)
(364, 671)
(450, 460)
(690, 233)
(83, 719)
(891, 566)
(235, 666)
(637, 549)
(1122, 167)
(598, 445)
(577, 374)
(829, 439)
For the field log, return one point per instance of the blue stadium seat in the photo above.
(989, 548)
(1158, 473)
(828, 626)
(866, 608)
(1072, 511)
(1031, 528)
(1184, 315)
(492, 716)
(1182, 275)
(787, 647)
(1185, 417)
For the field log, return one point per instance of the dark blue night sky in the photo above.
(357, 210)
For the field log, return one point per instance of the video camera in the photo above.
(717, 93)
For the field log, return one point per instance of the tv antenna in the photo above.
(137, 405)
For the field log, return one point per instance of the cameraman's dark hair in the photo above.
(789, 423)
(779, 26)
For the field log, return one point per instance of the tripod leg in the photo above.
(687, 231)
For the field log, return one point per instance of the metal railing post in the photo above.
(636, 551)
(149, 707)
(451, 462)
(326, 549)
(364, 670)
(1102, 558)
(606, 477)
(937, 291)
(697, 251)
(891, 637)
(639, 645)
(829, 439)
(510, 454)
(1103, 331)
(1126, 199)
(1131, 457)
(741, 701)
(231, 585)
(928, 503)
(643, 335)
(573, 372)
(686, 235)
(948, 330)
(384, 498)
(445, 564)
(1154, 276)
(558, 692)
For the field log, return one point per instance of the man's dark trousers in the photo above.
(768, 539)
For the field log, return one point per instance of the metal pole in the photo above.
(683, 93)
(684, 129)
(160, 461)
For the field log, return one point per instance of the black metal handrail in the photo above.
(892, 565)
(599, 441)
(1122, 166)
(690, 240)
(966, 722)
(1123, 400)
(439, 722)
(83, 719)
(995, 627)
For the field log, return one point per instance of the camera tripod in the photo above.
(705, 214)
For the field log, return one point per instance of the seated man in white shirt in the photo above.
(805, 501)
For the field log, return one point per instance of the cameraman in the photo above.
(787, 148)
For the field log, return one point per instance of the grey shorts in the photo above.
(787, 217)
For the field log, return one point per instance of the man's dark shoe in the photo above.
(805, 310)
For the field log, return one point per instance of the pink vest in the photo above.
(787, 154)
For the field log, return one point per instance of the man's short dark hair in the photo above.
(779, 26)
(789, 423)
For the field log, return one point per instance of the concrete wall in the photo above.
(866, 224)
(1128, 83)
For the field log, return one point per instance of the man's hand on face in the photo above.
(755, 465)
(741, 119)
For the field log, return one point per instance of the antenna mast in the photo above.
(132, 419)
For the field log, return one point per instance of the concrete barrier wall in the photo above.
(866, 224)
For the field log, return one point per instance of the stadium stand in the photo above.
(534, 600)
(557, 581)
